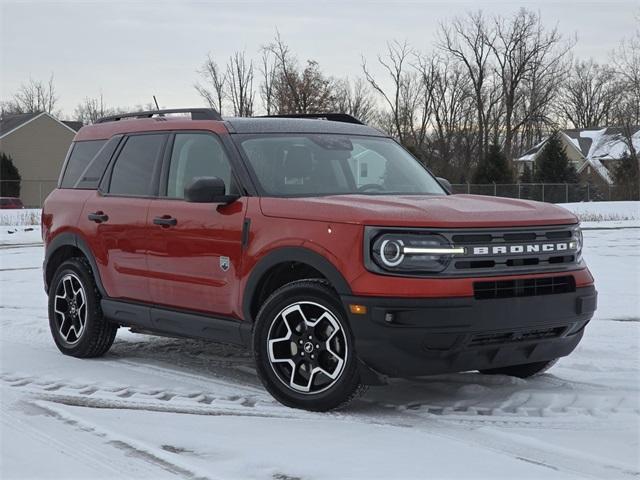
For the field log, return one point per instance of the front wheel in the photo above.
(522, 371)
(304, 348)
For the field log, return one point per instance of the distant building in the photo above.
(38, 144)
(594, 152)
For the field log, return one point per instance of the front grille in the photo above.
(510, 337)
(515, 256)
(529, 287)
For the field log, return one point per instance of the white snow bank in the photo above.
(27, 216)
(604, 211)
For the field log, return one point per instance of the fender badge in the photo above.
(224, 263)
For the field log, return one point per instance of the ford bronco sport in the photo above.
(318, 242)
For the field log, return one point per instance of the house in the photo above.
(594, 152)
(38, 144)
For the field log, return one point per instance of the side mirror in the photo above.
(446, 184)
(207, 190)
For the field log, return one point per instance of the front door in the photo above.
(195, 249)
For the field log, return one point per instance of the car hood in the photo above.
(442, 211)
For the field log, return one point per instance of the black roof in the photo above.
(10, 122)
(297, 125)
(73, 124)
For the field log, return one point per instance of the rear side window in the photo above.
(134, 169)
(81, 154)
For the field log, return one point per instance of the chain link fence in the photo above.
(546, 192)
(33, 192)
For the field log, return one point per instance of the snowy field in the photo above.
(165, 408)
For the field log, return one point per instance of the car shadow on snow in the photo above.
(464, 393)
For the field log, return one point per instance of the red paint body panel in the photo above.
(103, 131)
(184, 260)
(120, 244)
(438, 211)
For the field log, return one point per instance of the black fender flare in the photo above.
(70, 239)
(291, 254)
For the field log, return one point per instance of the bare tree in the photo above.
(34, 96)
(406, 99)
(453, 140)
(523, 50)
(269, 75)
(240, 84)
(588, 95)
(355, 99)
(627, 104)
(469, 40)
(297, 90)
(213, 90)
(91, 109)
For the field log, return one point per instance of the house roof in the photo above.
(595, 146)
(73, 124)
(11, 123)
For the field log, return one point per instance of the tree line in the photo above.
(488, 89)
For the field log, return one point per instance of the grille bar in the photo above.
(529, 287)
(510, 336)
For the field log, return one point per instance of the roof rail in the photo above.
(334, 117)
(196, 114)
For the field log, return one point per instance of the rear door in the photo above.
(115, 218)
(195, 248)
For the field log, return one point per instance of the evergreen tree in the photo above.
(9, 177)
(527, 175)
(552, 165)
(626, 177)
(494, 168)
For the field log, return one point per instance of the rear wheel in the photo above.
(522, 371)
(304, 349)
(75, 317)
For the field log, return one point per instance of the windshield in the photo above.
(312, 164)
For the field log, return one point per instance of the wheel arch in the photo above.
(283, 257)
(67, 245)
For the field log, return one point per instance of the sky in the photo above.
(132, 50)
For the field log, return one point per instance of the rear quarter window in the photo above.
(82, 154)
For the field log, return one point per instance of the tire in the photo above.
(522, 371)
(304, 349)
(75, 317)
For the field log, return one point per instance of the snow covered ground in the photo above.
(169, 408)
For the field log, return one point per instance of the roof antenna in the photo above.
(156, 101)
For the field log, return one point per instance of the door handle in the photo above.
(165, 221)
(98, 217)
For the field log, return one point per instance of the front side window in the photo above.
(134, 168)
(196, 155)
(324, 164)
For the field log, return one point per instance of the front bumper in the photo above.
(413, 337)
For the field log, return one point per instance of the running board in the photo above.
(174, 323)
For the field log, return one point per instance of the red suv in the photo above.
(317, 241)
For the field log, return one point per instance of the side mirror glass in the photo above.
(207, 190)
(446, 184)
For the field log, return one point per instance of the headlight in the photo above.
(412, 252)
(579, 242)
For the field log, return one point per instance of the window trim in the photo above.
(166, 163)
(105, 183)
